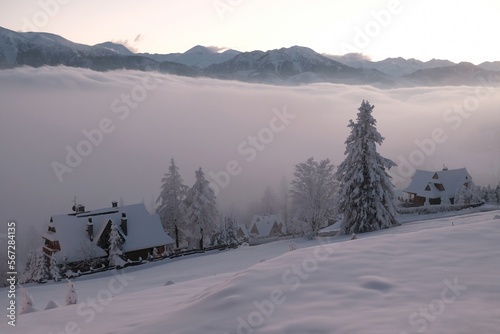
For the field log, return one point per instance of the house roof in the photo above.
(426, 183)
(143, 231)
(264, 224)
(243, 229)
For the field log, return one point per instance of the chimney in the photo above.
(90, 229)
(79, 208)
(123, 224)
(114, 204)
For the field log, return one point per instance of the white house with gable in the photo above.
(266, 226)
(82, 235)
(432, 187)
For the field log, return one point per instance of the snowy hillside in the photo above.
(438, 276)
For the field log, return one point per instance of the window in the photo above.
(439, 186)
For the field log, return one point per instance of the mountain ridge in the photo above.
(285, 66)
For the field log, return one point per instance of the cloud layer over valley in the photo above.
(104, 136)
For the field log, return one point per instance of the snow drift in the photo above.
(429, 277)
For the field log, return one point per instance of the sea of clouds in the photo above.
(69, 132)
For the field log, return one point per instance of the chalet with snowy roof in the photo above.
(433, 187)
(266, 226)
(84, 235)
(242, 232)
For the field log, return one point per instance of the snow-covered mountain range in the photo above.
(289, 66)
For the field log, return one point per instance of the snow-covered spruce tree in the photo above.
(226, 233)
(314, 190)
(40, 272)
(27, 306)
(231, 231)
(29, 268)
(115, 248)
(445, 201)
(497, 190)
(54, 271)
(71, 294)
(490, 195)
(173, 192)
(366, 192)
(468, 194)
(199, 212)
(219, 237)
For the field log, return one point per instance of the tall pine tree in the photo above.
(200, 212)
(115, 248)
(173, 192)
(366, 192)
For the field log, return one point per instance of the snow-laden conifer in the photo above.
(366, 192)
(173, 192)
(55, 272)
(27, 301)
(40, 272)
(29, 268)
(200, 212)
(71, 294)
(115, 247)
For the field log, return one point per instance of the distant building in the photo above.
(242, 232)
(83, 235)
(432, 187)
(266, 226)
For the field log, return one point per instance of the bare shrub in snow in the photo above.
(314, 190)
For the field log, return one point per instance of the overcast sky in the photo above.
(458, 30)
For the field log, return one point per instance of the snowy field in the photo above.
(433, 276)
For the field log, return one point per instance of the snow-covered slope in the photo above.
(393, 66)
(117, 48)
(293, 65)
(460, 74)
(198, 56)
(432, 277)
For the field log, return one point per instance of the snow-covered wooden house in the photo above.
(241, 232)
(433, 187)
(84, 235)
(266, 226)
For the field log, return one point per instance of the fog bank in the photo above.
(69, 132)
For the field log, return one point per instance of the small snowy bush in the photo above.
(71, 295)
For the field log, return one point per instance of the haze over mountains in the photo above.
(286, 66)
